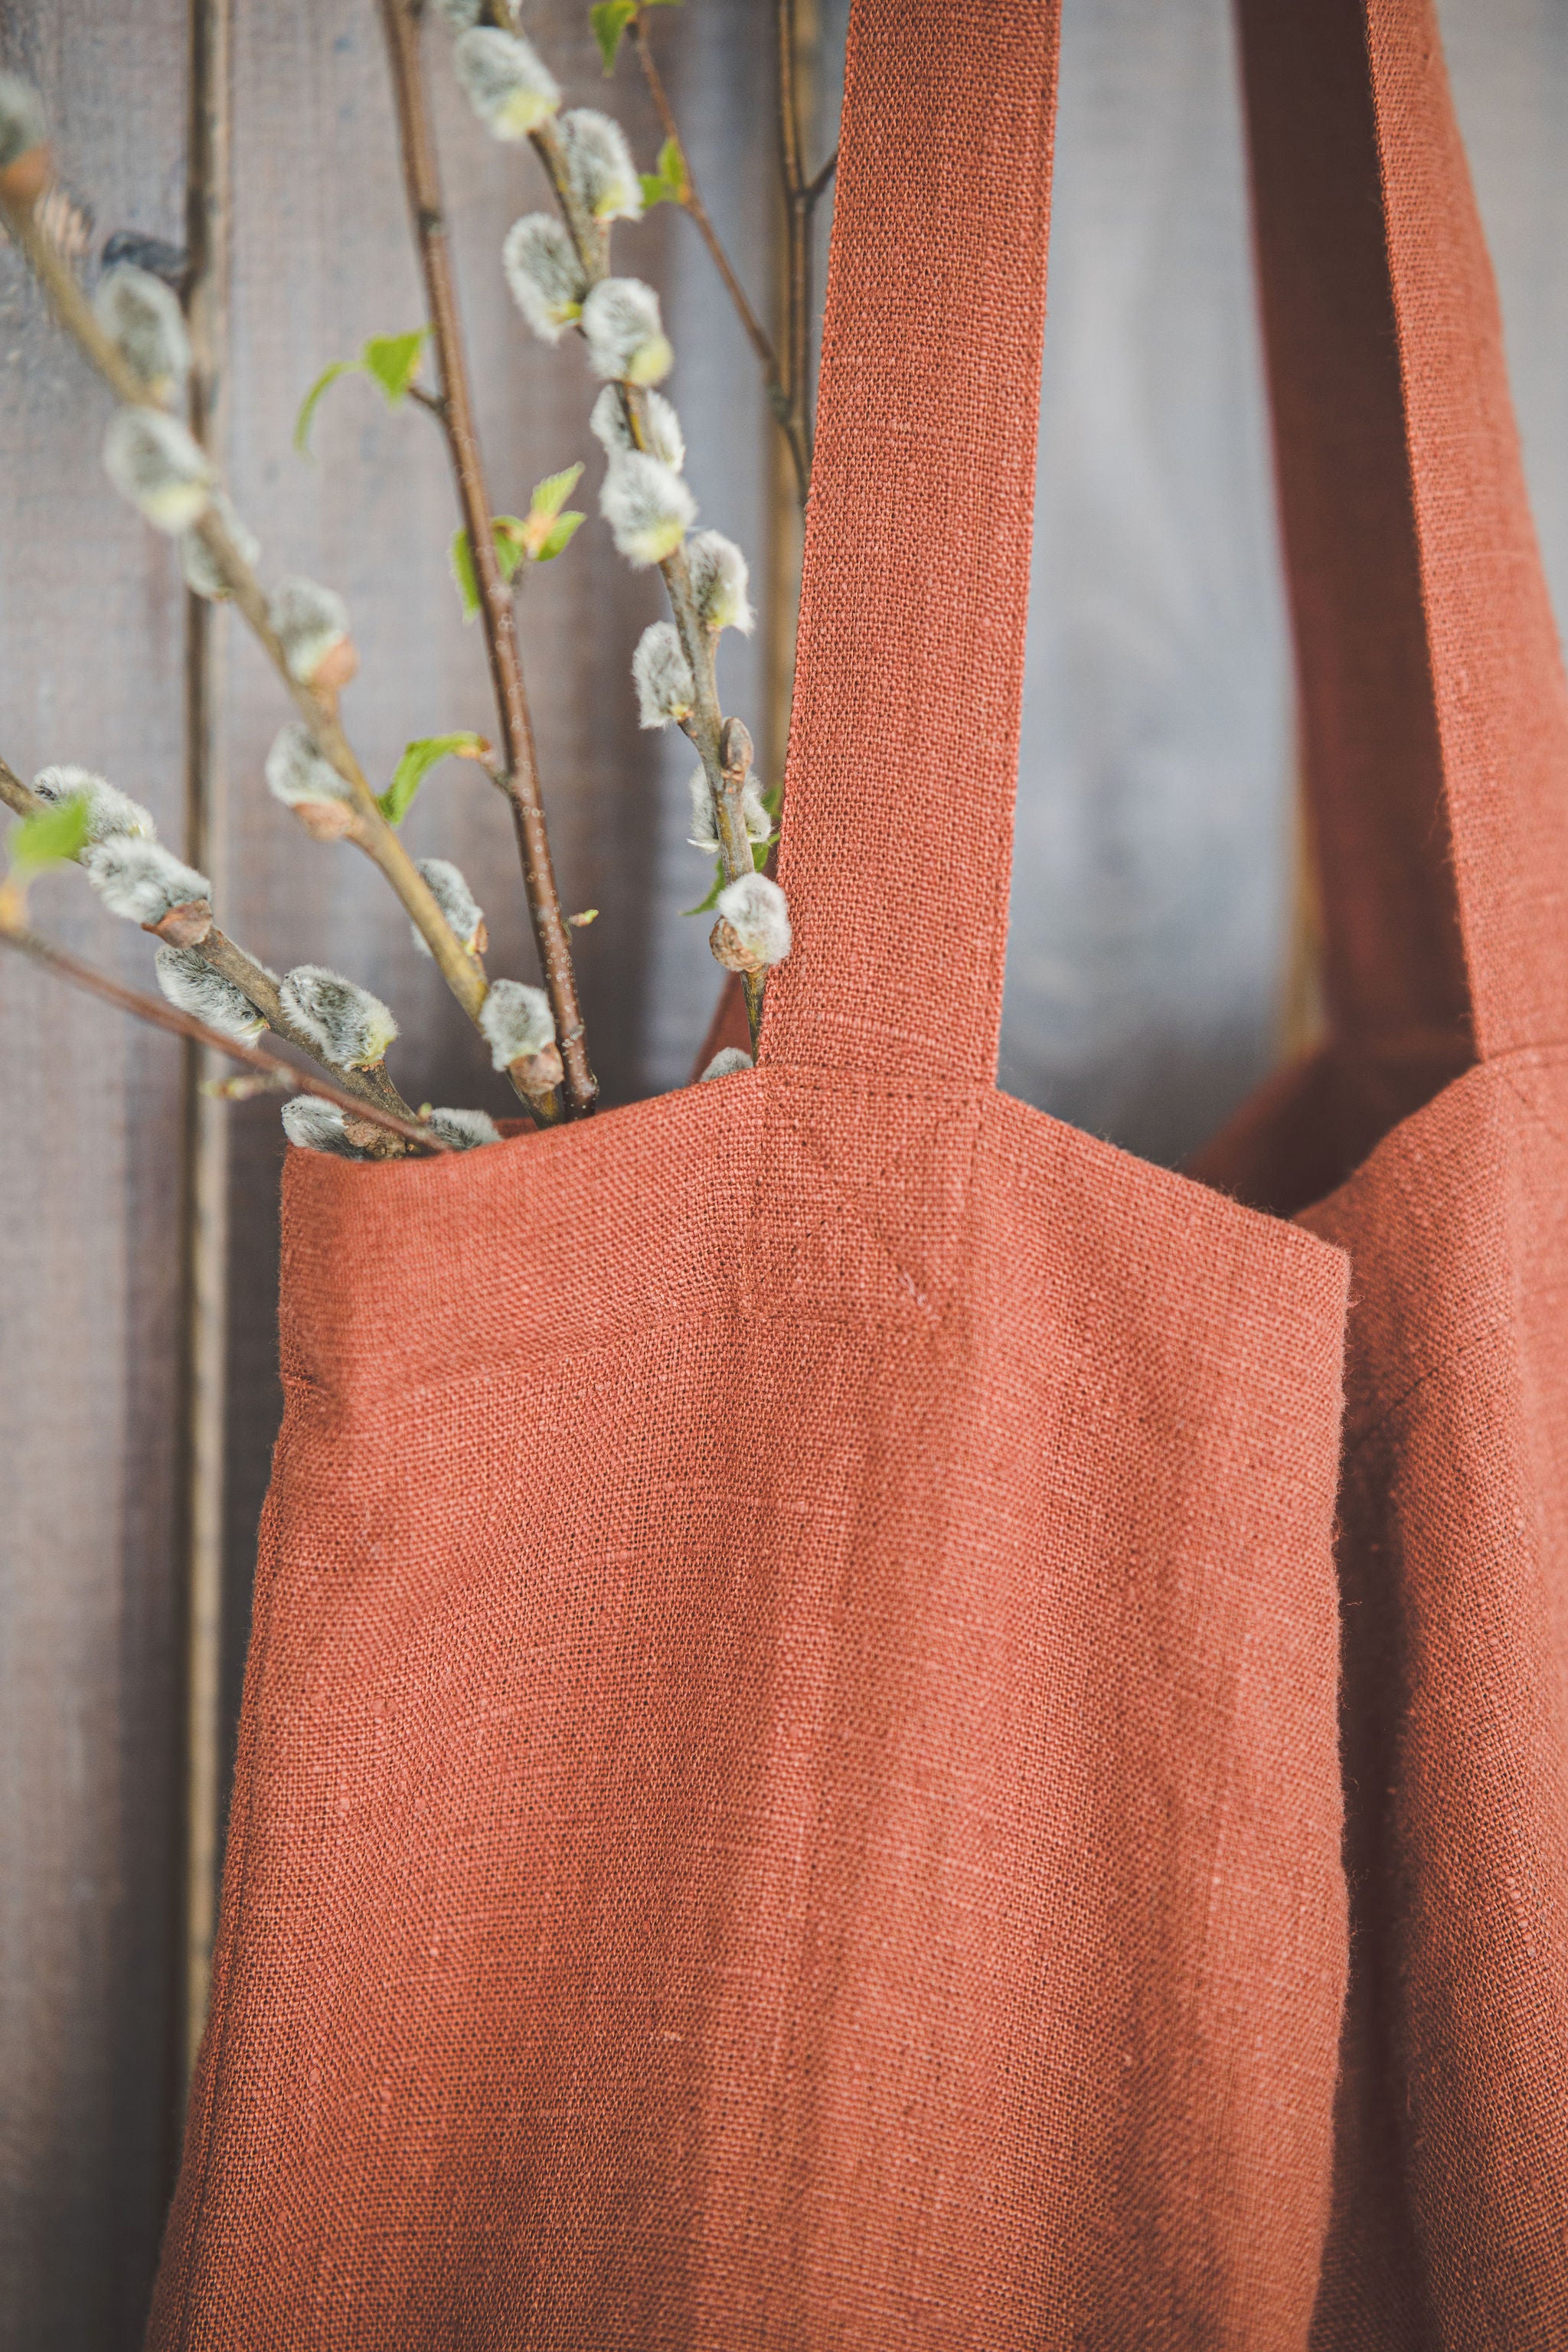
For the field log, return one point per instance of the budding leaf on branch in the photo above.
(390, 360)
(53, 836)
(419, 758)
(609, 20)
(669, 182)
(393, 361)
(534, 537)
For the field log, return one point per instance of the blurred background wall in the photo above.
(1148, 949)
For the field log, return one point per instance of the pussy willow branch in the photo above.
(160, 1015)
(789, 422)
(705, 725)
(801, 198)
(498, 616)
(252, 979)
(369, 832)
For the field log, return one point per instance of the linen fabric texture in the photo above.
(789, 1785)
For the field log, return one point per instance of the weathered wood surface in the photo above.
(1151, 874)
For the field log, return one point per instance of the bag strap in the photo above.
(903, 742)
(1434, 711)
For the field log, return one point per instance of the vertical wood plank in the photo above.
(90, 671)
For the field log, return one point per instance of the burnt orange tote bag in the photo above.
(1436, 730)
(788, 1788)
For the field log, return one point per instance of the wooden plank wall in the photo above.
(1150, 880)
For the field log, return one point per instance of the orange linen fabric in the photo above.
(1436, 725)
(789, 1788)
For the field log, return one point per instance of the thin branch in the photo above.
(370, 830)
(160, 1015)
(252, 979)
(756, 334)
(797, 229)
(816, 189)
(422, 181)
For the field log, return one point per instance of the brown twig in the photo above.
(370, 830)
(756, 334)
(252, 979)
(801, 197)
(160, 1015)
(422, 181)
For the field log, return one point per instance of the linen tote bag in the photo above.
(787, 1789)
(1436, 727)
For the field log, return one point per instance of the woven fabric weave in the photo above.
(789, 1784)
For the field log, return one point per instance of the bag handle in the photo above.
(1434, 710)
(903, 740)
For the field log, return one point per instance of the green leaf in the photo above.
(393, 361)
(52, 835)
(609, 20)
(328, 376)
(655, 190)
(510, 533)
(551, 494)
(462, 561)
(560, 534)
(673, 171)
(419, 758)
(707, 905)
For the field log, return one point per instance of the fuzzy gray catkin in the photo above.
(718, 580)
(758, 913)
(190, 982)
(704, 832)
(109, 810)
(516, 1022)
(144, 323)
(625, 333)
(505, 80)
(599, 168)
(466, 1129)
(725, 1063)
(314, 1125)
(152, 461)
(647, 508)
(202, 575)
(347, 1023)
(661, 426)
(662, 675)
(23, 122)
(309, 621)
(455, 900)
(297, 773)
(544, 273)
(140, 879)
